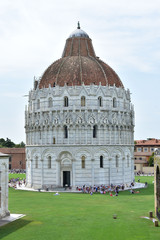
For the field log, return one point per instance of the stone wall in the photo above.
(117, 167)
(65, 125)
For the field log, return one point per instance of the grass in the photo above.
(81, 216)
(16, 175)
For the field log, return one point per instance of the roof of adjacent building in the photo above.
(149, 142)
(79, 64)
(140, 161)
(141, 154)
(3, 155)
(12, 150)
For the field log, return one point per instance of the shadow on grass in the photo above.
(12, 227)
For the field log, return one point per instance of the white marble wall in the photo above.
(45, 119)
(69, 158)
(4, 159)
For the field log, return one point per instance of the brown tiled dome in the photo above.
(78, 65)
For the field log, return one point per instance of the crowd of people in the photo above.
(17, 171)
(103, 189)
(141, 173)
(13, 182)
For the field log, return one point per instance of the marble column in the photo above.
(123, 169)
(31, 170)
(73, 173)
(110, 171)
(92, 167)
(42, 170)
(58, 173)
(4, 160)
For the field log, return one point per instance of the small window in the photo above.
(36, 165)
(94, 131)
(114, 102)
(139, 150)
(152, 150)
(83, 101)
(100, 101)
(38, 104)
(83, 161)
(10, 166)
(66, 101)
(135, 167)
(145, 149)
(65, 132)
(49, 162)
(50, 102)
(101, 161)
(54, 140)
(117, 163)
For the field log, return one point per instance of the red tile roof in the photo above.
(149, 142)
(79, 64)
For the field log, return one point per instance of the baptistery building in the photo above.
(79, 122)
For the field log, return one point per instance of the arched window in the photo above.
(83, 161)
(117, 163)
(50, 102)
(36, 162)
(49, 162)
(100, 101)
(83, 101)
(114, 102)
(38, 104)
(66, 101)
(65, 132)
(94, 131)
(101, 161)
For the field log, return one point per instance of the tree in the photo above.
(20, 145)
(9, 144)
(151, 160)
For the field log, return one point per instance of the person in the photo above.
(56, 194)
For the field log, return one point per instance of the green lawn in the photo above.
(81, 216)
(16, 175)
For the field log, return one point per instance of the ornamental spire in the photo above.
(78, 27)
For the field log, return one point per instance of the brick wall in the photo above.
(17, 157)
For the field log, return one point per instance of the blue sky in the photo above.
(125, 34)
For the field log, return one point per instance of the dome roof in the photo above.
(79, 65)
(75, 70)
(78, 33)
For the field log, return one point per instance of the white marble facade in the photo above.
(79, 135)
(4, 159)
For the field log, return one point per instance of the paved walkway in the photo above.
(22, 187)
(11, 218)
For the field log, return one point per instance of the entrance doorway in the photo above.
(66, 178)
